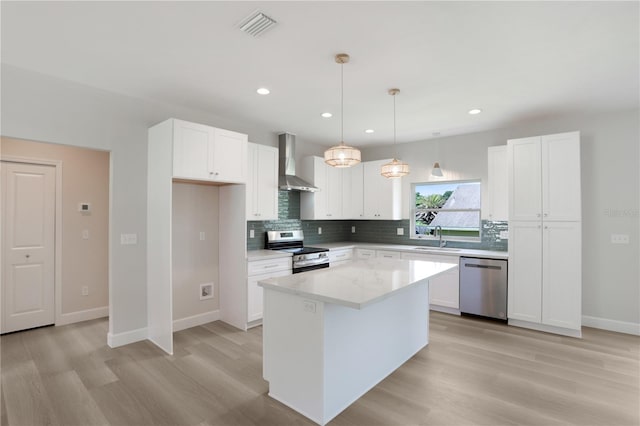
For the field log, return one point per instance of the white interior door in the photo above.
(28, 220)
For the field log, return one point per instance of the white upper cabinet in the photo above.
(262, 182)
(205, 153)
(325, 204)
(382, 196)
(544, 172)
(496, 206)
(353, 192)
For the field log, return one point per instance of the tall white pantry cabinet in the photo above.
(545, 250)
(189, 152)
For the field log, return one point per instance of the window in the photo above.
(454, 206)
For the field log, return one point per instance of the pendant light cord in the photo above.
(342, 103)
(395, 148)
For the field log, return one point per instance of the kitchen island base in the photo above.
(320, 357)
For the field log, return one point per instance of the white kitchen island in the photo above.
(330, 335)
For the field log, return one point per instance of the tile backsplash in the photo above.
(369, 231)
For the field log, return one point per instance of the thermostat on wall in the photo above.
(84, 208)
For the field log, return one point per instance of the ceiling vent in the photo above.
(256, 24)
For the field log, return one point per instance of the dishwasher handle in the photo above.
(475, 265)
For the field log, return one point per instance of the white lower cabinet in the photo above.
(340, 257)
(362, 253)
(444, 290)
(388, 254)
(258, 270)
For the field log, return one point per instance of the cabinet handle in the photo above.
(545, 215)
(538, 215)
(270, 266)
(546, 227)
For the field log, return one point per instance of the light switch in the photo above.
(353, 229)
(201, 235)
(319, 230)
(399, 231)
(85, 234)
(252, 233)
(619, 239)
(128, 239)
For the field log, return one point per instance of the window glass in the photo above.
(453, 206)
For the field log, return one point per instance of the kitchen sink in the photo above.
(436, 249)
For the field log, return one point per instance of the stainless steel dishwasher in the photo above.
(483, 287)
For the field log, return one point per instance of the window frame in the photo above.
(414, 210)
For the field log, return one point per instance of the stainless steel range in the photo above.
(304, 258)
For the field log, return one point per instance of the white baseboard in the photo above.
(195, 320)
(611, 325)
(546, 328)
(121, 339)
(444, 309)
(86, 315)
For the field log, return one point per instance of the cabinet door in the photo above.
(191, 150)
(444, 290)
(267, 183)
(525, 271)
(227, 158)
(381, 195)
(497, 206)
(561, 177)
(255, 294)
(562, 275)
(333, 192)
(340, 256)
(252, 182)
(353, 192)
(525, 185)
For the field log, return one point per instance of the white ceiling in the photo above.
(516, 61)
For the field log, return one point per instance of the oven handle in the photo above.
(318, 261)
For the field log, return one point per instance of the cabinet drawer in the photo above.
(385, 254)
(340, 255)
(365, 253)
(266, 266)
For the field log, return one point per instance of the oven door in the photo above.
(310, 265)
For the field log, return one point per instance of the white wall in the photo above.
(610, 160)
(47, 109)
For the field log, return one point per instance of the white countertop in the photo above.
(358, 283)
(491, 254)
(253, 255)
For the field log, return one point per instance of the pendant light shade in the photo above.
(395, 168)
(436, 171)
(342, 155)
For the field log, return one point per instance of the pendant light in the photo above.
(342, 155)
(395, 168)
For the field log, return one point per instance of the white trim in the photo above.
(85, 315)
(57, 285)
(444, 309)
(546, 328)
(611, 325)
(195, 320)
(121, 339)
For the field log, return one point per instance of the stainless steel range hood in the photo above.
(287, 179)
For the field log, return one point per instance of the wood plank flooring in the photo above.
(473, 372)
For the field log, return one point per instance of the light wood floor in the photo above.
(472, 372)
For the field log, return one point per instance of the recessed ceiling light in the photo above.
(369, 131)
(326, 115)
(475, 111)
(263, 91)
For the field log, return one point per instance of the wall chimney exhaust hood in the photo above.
(287, 179)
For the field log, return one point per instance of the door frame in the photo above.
(57, 251)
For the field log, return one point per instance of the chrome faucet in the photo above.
(438, 230)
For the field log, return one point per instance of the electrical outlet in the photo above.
(85, 234)
(252, 233)
(85, 290)
(201, 235)
(399, 231)
(309, 306)
(619, 239)
(353, 229)
(319, 230)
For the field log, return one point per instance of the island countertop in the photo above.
(359, 283)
